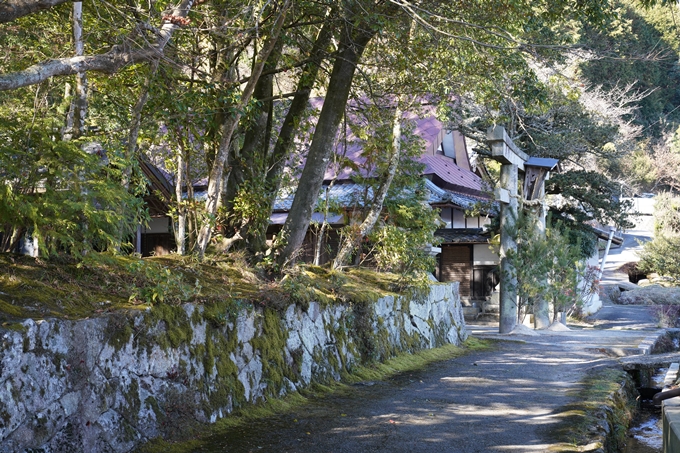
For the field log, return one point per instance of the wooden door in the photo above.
(456, 265)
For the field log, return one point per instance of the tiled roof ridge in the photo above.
(447, 194)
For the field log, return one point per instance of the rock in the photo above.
(651, 295)
(627, 286)
(664, 281)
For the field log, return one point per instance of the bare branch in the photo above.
(493, 31)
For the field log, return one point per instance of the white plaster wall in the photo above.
(484, 255)
(595, 303)
(458, 219)
(643, 206)
(446, 217)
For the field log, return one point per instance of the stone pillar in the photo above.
(138, 239)
(508, 276)
(512, 160)
(541, 305)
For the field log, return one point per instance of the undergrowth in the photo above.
(65, 288)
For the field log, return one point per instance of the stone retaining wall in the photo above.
(110, 383)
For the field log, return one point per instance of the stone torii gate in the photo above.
(513, 160)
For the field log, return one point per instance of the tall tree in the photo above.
(356, 31)
(215, 179)
(261, 159)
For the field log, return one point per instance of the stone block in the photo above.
(471, 312)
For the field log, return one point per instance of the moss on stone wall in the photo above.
(118, 330)
(220, 382)
(175, 326)
(600, 414)
(270, 343)
(195, 350)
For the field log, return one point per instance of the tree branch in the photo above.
(110, 62)
(13, 9)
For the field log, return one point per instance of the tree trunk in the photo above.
(352, 240)
(68, 127)
(228, 128)
(80, 101)
(323, 142)
(75, 119)
(180, 231)
(284, 143)
(322, 229)
(13, 9)
(136, 124)
(250, 162)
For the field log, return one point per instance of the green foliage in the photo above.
(667, 214)
(250, 207)
(642, 170)
(550, 266)
(198, 82)
(399, 242)
(584, 141)
(588, 195)
(66, 198)
(640, 47)
(661, 255)
(563, 271)
(160, 284)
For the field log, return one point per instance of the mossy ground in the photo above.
(578, 429)
(242, 417)
(64, 288)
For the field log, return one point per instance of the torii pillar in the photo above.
(512, 161)
(536, 172)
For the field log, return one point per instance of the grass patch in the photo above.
(411, 362)
(241, 418)
(600, 415)
(62, 287)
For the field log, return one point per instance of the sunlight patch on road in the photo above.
(524, 448)
(532, 413)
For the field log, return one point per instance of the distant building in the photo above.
(464, 254)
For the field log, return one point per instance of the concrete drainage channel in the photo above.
(671, 414)
(657, 425)
(645, 435)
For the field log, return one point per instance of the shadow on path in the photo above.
(507, 399)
